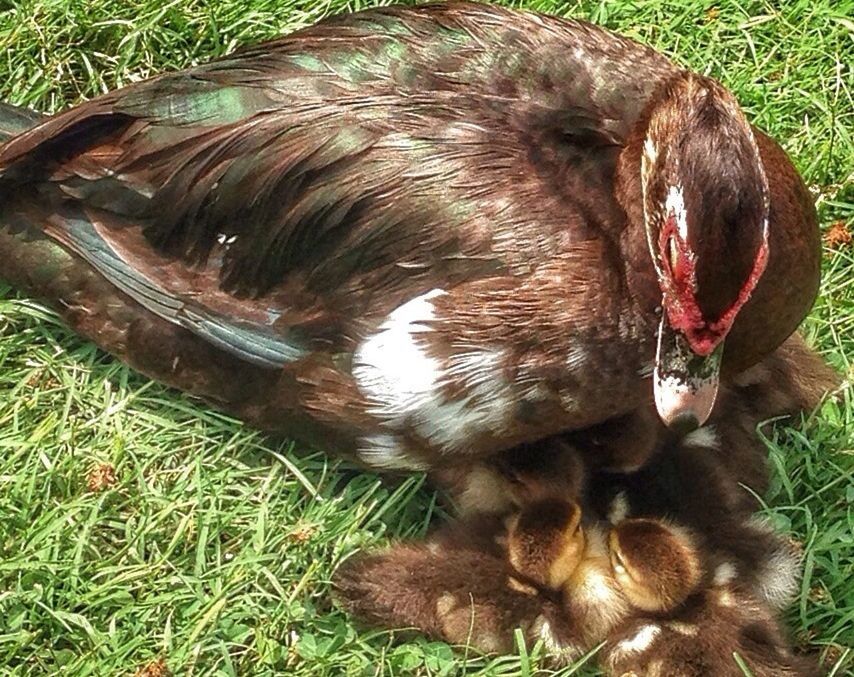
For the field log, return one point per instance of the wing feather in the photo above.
(358, 162)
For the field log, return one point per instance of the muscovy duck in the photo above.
(415, 234)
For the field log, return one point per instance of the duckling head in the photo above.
(546, 543)
(657, 565)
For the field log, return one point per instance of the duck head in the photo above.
(705, 210)
(546, 543)
(656, 564)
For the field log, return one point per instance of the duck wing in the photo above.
(351, 165)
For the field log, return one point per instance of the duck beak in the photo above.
(685, 384)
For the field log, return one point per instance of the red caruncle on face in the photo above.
(679, 285)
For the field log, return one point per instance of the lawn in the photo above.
(140, 528)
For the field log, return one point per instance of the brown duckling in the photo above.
(656, 564)
(458, 586)
(460, 596)
(561, 581)
(692, 487)
(702, 639)
(511, 480)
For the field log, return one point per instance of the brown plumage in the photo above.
(703, 638)
(475, 582)
(648, 588)
(656, 565)
(416, 234)
(508, 481)
(438, 595)
(724, 455)
(544, 572)
(697, 609)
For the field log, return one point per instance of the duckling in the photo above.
(656, 564)
(508, 481)
(560, 580)
(458, 586)
(791, 379)
(691, 486)
(703, 638)
(460, 596)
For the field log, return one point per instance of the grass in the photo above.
(137, 525)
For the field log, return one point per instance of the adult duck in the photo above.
(416, 234)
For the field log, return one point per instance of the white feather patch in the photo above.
(650, 151)
(619, 508)
(394, 370)
(391, 366)
(576, 357)
(779, 575)
(486, 405)
(642, 640)
(706, 436)
(725, 573)
(778, 579)
(385, 451)
(686, 629)
(675, 204)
